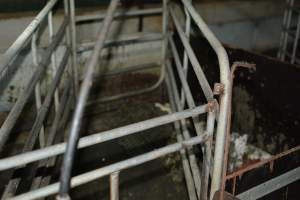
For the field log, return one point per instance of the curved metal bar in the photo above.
(82, 99)
(133, 93)
(224, 98)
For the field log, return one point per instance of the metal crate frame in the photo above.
(215, 110)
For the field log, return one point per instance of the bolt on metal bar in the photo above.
(114, 186)
(16, 47)
(193, 59)
(82, 99)
(185, 162)
(224, 98)
(104, 171)
(15, 112)
(37, 89)
(54, 150)
(133, 13)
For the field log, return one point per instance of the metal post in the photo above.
(74, 46)
(114, 186)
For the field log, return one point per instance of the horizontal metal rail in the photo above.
(271, 185)
(149, 37)
(98, 173)
(133, 13)
(25, 158)
(16, 47)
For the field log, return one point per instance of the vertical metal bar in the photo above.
(192, 57)
(37, 89)
(71, 64)
(65, 177)
(207, 154)
(53, 58)
(225, 100)
(185, 56)
(295, 46)
(186, 135)
(185, 162)
(185, 87)
(285, 17)
(74, 46)
(286, 29)
(165, 31)
(114, 186)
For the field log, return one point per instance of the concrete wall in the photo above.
(252, 25)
